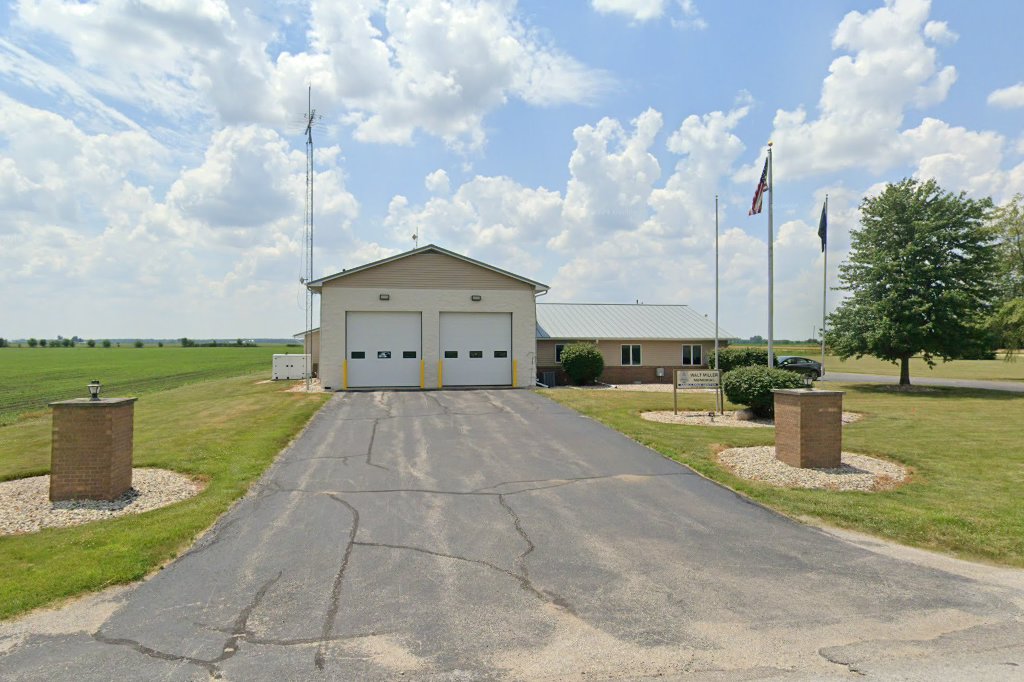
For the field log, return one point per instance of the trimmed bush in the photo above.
(582, 362)
(731, 358)
(752, 386)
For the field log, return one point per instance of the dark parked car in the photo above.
(799, 365)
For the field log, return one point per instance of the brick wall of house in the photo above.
(91, 456)
(619, 374)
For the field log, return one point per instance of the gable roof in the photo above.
(593, 321)
(429, 248)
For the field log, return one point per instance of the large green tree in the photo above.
(1007, 321)
(921, 277)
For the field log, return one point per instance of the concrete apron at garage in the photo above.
(480, 534)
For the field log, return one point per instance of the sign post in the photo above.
(696, 378)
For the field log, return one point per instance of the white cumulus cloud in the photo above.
(1011, 97)
(638, 10)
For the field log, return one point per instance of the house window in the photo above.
(631, 354)
(692, 355)
(559, 347)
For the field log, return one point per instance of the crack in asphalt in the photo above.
(209, 666)
(335, 604)
(521, 559)
(444, 408)
(215, 535)
(239, 630)
(369, 448)
(848, 665)
(521, 574)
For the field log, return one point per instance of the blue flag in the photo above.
(823, 225)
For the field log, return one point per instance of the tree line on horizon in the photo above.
(75, 341)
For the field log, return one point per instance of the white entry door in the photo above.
(476, 349)
(383, 349)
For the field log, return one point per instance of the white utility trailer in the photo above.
(290, 366)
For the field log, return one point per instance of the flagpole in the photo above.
(824, 289)
(718, 391)
(771, 266)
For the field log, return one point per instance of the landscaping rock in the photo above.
(745, 415)
(855, 472)
(25, 505)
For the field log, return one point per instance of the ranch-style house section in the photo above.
(638, 342)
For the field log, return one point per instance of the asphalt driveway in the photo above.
(495, 534)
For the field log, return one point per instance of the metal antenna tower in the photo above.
(310, 119)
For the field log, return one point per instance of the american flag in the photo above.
(755, 206)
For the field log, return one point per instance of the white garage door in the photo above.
(384, 349)
(476, 349)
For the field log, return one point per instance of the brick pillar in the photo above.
(809, 428)
(91, 456)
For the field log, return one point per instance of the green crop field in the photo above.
(32, 377)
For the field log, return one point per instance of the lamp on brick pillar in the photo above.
(91, 450)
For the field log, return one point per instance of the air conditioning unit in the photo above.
(548, 378)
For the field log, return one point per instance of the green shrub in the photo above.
(91, 343)
(139, 344)
(731, 358)
(106, 343)
(752, 386)
(582, 362)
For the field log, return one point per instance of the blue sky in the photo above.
(152, 161)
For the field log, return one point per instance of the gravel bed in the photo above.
(856, 472)
(25, 505)
(300, 387)
(728, 419)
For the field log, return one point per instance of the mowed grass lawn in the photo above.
(32, 377)
(966, 496)
(224, 431)
(999, 369)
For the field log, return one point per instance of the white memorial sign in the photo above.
(697, 378)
